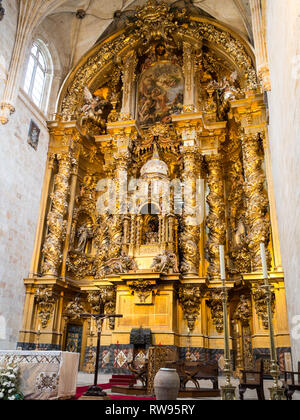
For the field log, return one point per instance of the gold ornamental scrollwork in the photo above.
(238, 245)
(190, 299)
(52, 249)
(189, 235)
(215, 304)
(260, 302)
(216, 217)
(74, 309)
(257, 216)
(108, 296)
(142, 288)
(155, 21)
(45, 298)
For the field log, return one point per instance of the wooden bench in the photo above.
(196, 371)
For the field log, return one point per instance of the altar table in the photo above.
(45, 375)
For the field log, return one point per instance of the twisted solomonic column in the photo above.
(257, 217)
(189, 236)
(216, 218)
(52, 249)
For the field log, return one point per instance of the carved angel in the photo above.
(165, 262)
(93, 108)
(226, 87)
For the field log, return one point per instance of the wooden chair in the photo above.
(139, 374)
(253, 379)
(290, 385)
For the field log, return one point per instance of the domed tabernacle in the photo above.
(155, 167)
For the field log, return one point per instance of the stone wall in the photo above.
(21, 179)
(283, 43)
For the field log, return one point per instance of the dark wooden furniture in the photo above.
(139, 374)
(209, 371)
(290, 384)
(196, 371)
(253, 379)
(188, 371)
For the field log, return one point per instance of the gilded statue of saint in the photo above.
(84, 233)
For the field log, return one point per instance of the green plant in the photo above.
(9, 383)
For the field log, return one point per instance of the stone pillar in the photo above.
(52, 249)
(39, 232)
(189, 236)
(130, 63)
(257, 218)
(261, 54)
(216, 218)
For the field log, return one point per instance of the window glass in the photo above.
(34, 83)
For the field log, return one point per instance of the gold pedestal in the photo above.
(87, 397)
(277, 394)
(228, 393)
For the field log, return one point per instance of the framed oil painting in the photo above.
(33, 135)
(160, 93)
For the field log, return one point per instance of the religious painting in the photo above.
(160, 93)
(33, 135)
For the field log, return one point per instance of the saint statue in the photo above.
(84, 233)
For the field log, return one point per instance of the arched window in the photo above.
(38, 75)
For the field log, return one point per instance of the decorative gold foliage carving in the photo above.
(154, 22)
(243, 311)
(257, 217)
(106, 295)
(142, 288)
(216, 218)
(215, 304)
(259, 297)
(74, 309)
(190, 300)
(56, 217)
(45, 298)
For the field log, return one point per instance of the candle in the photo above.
(264, 260)
(222, 262)
(39, 328)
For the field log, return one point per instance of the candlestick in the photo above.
(228, 391)
(276, 392)
(264, 260)
(222, 262)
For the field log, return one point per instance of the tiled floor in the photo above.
(87, 379)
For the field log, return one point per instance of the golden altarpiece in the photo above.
(158, 154)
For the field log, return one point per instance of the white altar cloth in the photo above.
(45, 374)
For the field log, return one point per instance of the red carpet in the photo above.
(81, 390)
